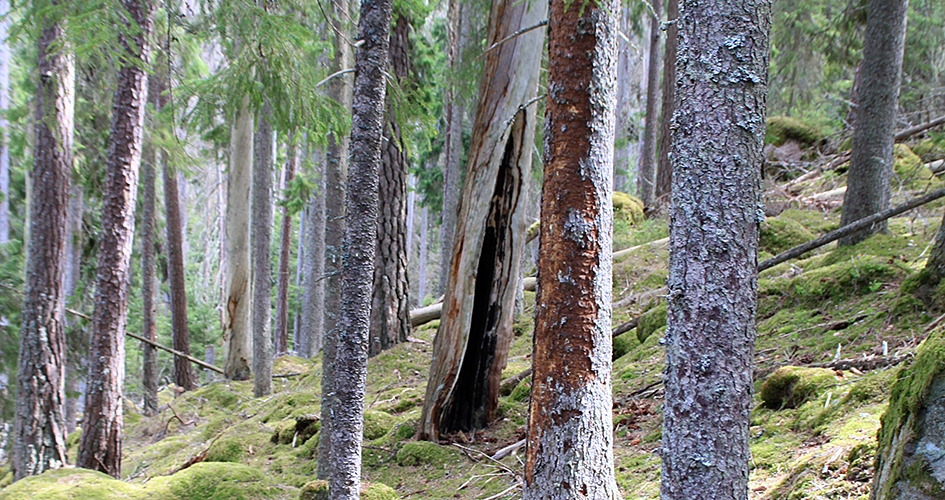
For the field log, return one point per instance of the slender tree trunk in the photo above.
(646, 179)
(664, 168)
(299, 265)
(350, 365)
(262, 266)
(471, 346)
(4, 126)
(149, 367)
(622, 134)
(313, 292)
(76, 343)
(336, 174)
(570, 439)
(100, 445)
(390, 311)
(237, 346)
(713, 249)
(424, 238)
(878, 97)
(281, 334)
(39, 439)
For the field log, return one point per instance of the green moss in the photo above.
(318, 490)
(228, 448)
(68, 484)
(651, 321)
(623, 344)
(910, 172)
(791, 386)
(627, 206)
(930, 149)
(377, 424)
(522, 390)
(405, 430)
(214, 481)
(423, 452)
(780, 129)
(781, 233)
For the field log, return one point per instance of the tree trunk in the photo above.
(336, 174)
(280, 335)
(454, 113)
(664, 168)
(149, 374)
(299, 265)
(237, 347)
(424, 237)
(646, 178)
(313, 292)
(4, 126)
(713, 249)
(360, 242)
(39, 439)
(184, 375)
(262, 265)
(878, 97)
(570, 438)
(471, 347)
(76, 343)
(623, 134)
(390, 322)
(100, 445)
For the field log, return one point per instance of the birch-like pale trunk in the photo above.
(471, 347)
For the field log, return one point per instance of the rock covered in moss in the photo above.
(318, 490)
(377, 424)
(622, 345)
(422, 452)
(792, 386)
(522, 391)
(910, 172)
(780, 129)
(627, 206)
(70, 483)
(781, 233)
(651, 321)
(910, 458)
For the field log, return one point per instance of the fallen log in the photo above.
(922, 127)
(507, 385)
(863, 364)
(426, 314)
(857, 226)
(177, 353)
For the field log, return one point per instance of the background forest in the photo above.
(277, 75)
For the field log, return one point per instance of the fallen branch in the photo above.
(176, 353)
(508, 450)
(855, 227)
(507, 385)
(197, 458)
(922, 127)
(627, 251)
(863, 364)
(425, 315)
(626, 326)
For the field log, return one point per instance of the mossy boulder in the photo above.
(651, 321)
(627, 206)
(910, 458)
(522, 391)
(70, 483)
(227, 448)
(423, 452)
(780, 129)
(377, 424)
(623, 343)
(318, 490)
(792, 386)
(929, 149)
(781, 233)
(214, 481)
(910, 172)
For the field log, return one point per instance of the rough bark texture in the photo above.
(350, 365)
(454, 113)
(313, 290)
(664, 168)
(4, 141)
(390, 323)
(570, 440)
(280, 334)
(39, 438)
(262, 266)
(878, 97)
(237, 346)
(100, 445)
(713, 247)
(471, 347)
(336, 174)
(184, 375)
(76, 343)
(149, 366)
(646, 178)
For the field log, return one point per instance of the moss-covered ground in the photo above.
(815, 439)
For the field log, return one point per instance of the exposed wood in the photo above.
(425, 315)
(922, 127)
(859, 225)
(179, 354)
(508, 450)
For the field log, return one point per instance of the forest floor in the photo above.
(829, 325)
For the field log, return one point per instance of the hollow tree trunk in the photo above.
(471, 346)
(280, 332)
(100, 444)
(39, 439)
(646, 179)
(262, 266)
(570, 439)
(664, 168)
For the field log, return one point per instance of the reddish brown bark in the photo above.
(664, 168)
(280, 334)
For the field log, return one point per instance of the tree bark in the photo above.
(471, 347)
(336, 174)
(878, 97)
(237, 347)
(262, 265)
(313, 291)
(184, 375)
(646, 179)
(100, 445)
(935, 266)
(622, 134)
(664, 168)
(570, 439)
(280, 334)
(713, 248)
(39, 439)
(4, 125)
(76, 343)
(360, 241)
(149, 368)
(390, 322)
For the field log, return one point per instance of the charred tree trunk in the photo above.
(713, 248)
(149, 367)
(646, 178)
(350, 365)
(237, 346)
(664, 168)
(471, 346)
(877, 99)
(280, 334)
(390, 322)
(100, 445)
(184, 375)
(39, 439)
(262, 265)
(569, 450)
